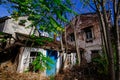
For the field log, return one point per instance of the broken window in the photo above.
(22, 22)
(33, 56)
(89, 36)
(72, 37)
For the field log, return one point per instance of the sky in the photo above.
(78, 8)
(4, 11)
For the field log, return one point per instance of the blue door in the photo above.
(53, 56)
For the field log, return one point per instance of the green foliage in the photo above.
(41, 40)
(49, 15)
(45, 15)
(22, 22)
(2, 39)
(102, 64)
(52, 77)
(42, 62)
(76, 61)
(114, 55)
(27, 70)
(1, 33)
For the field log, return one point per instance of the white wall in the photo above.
(58, 65)
(87, 56)
(11, 26)
(24, 61)
(73, 58)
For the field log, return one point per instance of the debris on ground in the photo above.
(8, 75)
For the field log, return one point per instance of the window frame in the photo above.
(31, 59)
(88, 34)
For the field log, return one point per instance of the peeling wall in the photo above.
(11, 26)
(82, 22)
(24, 57)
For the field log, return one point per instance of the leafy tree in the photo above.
(45, 15)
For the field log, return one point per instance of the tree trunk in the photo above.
(103, 36)
(103, 18)
(62, 53)
(77, 46)
(117, 38)
(110, 57)
(76, 42)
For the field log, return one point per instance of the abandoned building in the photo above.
(88, 35)
(18, 49)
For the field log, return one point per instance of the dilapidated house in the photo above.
(88, 35)
(18, 49)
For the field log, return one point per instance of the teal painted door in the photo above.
(53, 56)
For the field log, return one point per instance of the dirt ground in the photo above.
(75, 73)
(7, 75)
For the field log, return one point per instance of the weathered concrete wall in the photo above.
(70, 60)
(82, 22)
(11, 26)
(24, 57)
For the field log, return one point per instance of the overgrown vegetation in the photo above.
(41, 40)
(101, 64)
(41, 62)
(50, 16)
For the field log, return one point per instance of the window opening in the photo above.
(72, 37)
(88, 32)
